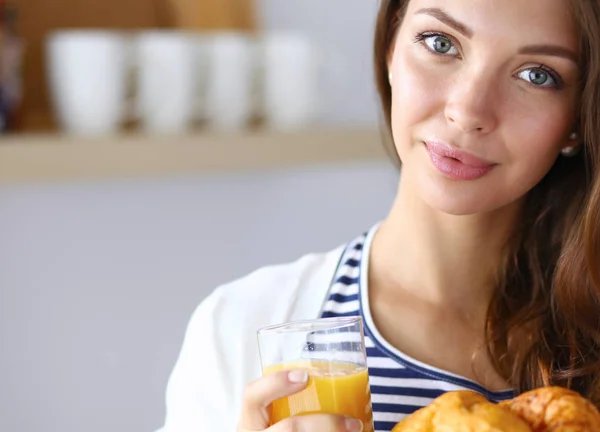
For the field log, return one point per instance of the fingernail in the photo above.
(353, 425)
(298, 376)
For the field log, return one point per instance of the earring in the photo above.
(390, 77)
(570, 151)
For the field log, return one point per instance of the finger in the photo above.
(260, 394)
(318, 422)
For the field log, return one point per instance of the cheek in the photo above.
(537, 134)
(417, 91)
(533, 137)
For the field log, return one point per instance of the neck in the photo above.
(442, 260)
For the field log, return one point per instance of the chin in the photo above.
(461, 201)
(455, 207)
(454, 198)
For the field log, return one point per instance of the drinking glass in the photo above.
(332, 351)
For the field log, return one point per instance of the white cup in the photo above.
(230, 96)
(87, 73)
(289, 81)
(166, 81)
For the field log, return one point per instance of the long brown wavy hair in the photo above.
(543, 324)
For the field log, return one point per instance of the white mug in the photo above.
(87, 73)
(231, 92)
(289, 80)
(166, 81)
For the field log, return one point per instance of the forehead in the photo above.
(537, 21)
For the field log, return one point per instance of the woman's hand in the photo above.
(260, 394)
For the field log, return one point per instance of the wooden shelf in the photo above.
(47, 157)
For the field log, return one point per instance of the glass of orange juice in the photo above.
(332, 350)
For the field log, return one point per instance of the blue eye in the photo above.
(540, 77)
(440, 44)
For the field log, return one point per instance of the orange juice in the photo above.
(333, 388)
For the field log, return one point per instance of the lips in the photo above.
(457, 164)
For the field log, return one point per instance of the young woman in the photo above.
(484, 275)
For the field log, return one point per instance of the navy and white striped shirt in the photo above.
(399, 384)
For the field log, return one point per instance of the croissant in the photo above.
(547, 409)
(555, 409)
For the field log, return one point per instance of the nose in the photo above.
(472, 103)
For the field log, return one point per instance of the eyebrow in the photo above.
(442, 16)
(549, 50)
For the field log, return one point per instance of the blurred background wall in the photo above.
(98, 277)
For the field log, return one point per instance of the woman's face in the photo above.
(484, 96)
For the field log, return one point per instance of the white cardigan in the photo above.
(220, 353)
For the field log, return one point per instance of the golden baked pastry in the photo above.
(555, 409)
(462, 411)
(548, 409)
